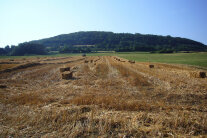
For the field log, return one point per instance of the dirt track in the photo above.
(108, 96)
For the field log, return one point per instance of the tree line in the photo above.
(92, 41)
(24, 49)
(120, 42)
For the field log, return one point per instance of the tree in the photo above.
(2, 51)
(28, 48)
(7, 49)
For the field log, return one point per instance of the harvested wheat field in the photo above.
(101, 97)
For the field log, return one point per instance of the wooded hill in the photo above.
(94, 41)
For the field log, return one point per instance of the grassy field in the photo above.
(195, 59)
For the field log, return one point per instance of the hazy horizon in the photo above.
(23, 20)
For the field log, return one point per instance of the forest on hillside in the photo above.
(92, 41)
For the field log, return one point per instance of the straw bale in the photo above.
(151, 66)
(198, 74)
(64, 69)
(3, 86)
(67, 75)
(130, 61)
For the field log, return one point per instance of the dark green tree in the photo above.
(28, 49)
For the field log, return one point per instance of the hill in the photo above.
(95, 40)
(92, 41)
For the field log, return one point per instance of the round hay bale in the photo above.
(151, 66)
(67, 75)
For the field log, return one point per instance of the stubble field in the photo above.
(106, 97)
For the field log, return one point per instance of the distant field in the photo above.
(196, 59)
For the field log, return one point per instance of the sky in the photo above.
(26, 20)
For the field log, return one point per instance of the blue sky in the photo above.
(26, 20)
